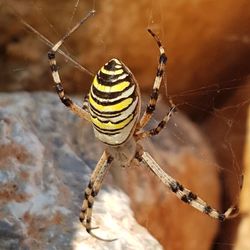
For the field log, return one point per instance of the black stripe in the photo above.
(107, 95)
(176, 186)
(107, 116)
(90, 204)
(51, 55)
(111, 65)
(158, 42)
(191, 196)
(110, 112)
(118, 129)
(160, 126)
(123, 119)
(163, 58)
(111, 80)
(59, 88)
(159, 72)
(66, 101)
(102, 115)
(221, 217)
(150, 108)
(108, 102)
(207, 210)
(155, 94)
(108, 131)
(96, 111)
(138, 156)
(54, 67)
(90, 185)
(94, 193)
(185, 199)
(110, 159)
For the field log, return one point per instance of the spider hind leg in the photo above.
(91, 192)
(183, 193)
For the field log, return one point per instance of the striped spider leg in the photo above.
(113, 108)
(91, 192)
(143, 157)
(155, 92)
(104, 163)
(154, 97)
(183, 193)
(56, 78)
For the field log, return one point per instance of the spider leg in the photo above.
(183, 193)
(157, 82)
(54, 69)
(162, 124)
(91, 192)
(85, 103)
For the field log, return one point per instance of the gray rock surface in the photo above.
(43, 171)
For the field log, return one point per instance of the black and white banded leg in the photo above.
(157, 82)
(91, 192)
(54, 69)
(183, 193)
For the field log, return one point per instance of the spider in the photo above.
(113, 108)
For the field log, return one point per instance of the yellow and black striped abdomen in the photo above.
(113, 103)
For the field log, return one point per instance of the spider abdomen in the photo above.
(114, 103)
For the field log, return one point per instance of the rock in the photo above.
(46, 154)
(42, 176)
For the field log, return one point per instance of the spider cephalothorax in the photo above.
(113, 108)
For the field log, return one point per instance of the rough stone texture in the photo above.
(45, 157)
(42, 175)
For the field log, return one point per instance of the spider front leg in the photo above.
(183, 193)
(91, 192)
(54, 69)
(60, 91)
(157, 82)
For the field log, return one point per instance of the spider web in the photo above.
(211, 104)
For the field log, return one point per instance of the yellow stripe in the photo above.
(111, 125)
(111, 72)
(109, 89)
(116, 107)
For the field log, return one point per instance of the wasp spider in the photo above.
(113, 108)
